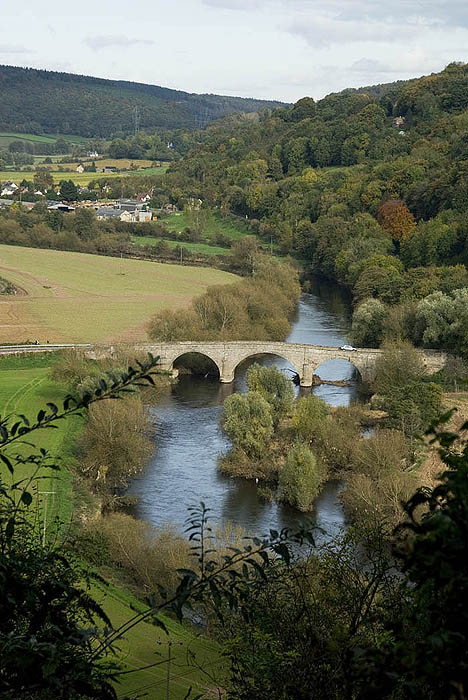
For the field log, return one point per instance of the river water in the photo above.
(189, 439)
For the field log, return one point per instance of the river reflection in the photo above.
(189, 438)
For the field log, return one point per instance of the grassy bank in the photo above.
(77, 297)
(196, 660)
(25, 387)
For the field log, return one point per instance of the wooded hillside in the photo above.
(40, 101)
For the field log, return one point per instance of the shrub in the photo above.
(248, 423)
(274, 386)
(300, 478)
(149, 555)
(115, 443)
(308, 412)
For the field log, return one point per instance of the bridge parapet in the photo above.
(228, 355)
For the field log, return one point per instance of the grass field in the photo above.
(76, 297)
(78, 178)
(146, 644)
(25, 387)
(6, 137)
(202, 248)
(217, 224)
(120, 163)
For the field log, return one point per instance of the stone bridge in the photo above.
(228, 355)
(304, 358)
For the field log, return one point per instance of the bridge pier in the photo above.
(226, 371)
(306, 378)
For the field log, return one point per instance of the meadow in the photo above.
(146, 645)
(201, 248)
(216, 224)
(6, 137)
(25, 387)
(77, 297)
(82, 179)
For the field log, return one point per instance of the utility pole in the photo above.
(46, 500)
(169, 659)
(136, 119)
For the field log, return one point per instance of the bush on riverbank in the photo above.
(274, 387)
(114, 445)
(380, 477)
(145, 555)
(257, 308)
(300, 478)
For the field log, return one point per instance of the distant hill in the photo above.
(40, 101)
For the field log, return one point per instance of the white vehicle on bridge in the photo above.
(348, 347)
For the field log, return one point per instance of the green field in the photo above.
(76, 297)
(78, 178)
(6, 137)
(141, 648)
(216, 224)
(25, 387)
(202, 248)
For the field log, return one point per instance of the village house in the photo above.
(194, 203)
(80, 168)
(8, 189)
(145, 216)
(398, 122)
(129, 204)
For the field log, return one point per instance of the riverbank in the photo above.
(25, 387)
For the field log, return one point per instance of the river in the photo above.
(189, 438)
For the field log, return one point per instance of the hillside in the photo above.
(369, 189)
(40, 101)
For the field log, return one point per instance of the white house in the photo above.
(9, 188)
(80, 169)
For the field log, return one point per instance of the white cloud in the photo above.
(13, 49)
(320, 30)
(111, 40)
(370, 66)
(242, 5)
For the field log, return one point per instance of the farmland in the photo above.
(76, 297)
(81, 178)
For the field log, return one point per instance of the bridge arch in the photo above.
(256, 355)
(198, 362)
(329, 369)
(232, 367)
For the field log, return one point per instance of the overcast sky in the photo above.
(278, 49)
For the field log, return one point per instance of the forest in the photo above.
(39, 101)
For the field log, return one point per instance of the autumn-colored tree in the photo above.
(395, 217)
